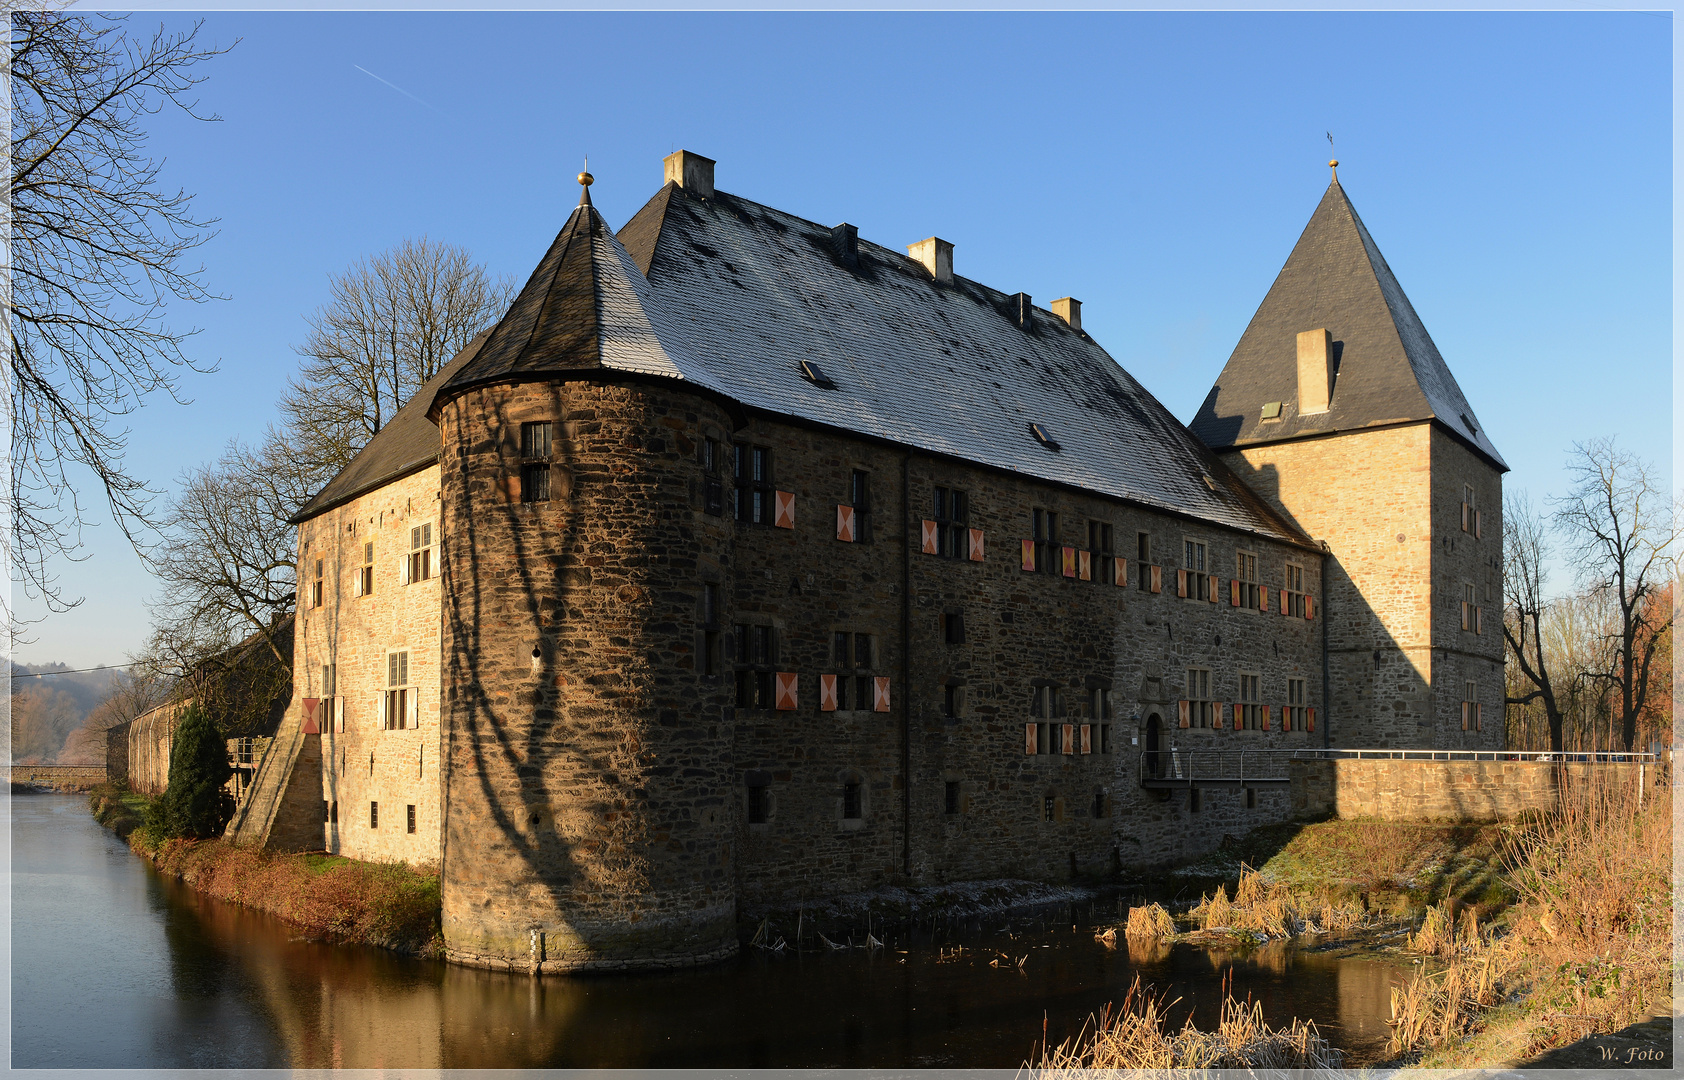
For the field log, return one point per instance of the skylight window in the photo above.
(1271, 410)
(815, 375)
(1469, 424)
(1042, 437)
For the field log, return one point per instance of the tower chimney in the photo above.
(1069, 309)
(692, 172)
(936, 255)
(1315, 371)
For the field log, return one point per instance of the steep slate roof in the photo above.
(731, 295)
(1388, 369)
(409, 442)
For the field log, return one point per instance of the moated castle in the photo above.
(744, 558)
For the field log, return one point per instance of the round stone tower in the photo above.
(586, 760)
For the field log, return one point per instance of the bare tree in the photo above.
(98, 246)
(1526, 551)
(393, 322)
(1618, 519)
(227, 565)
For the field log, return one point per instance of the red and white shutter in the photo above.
(1031, 742)
(784, 509)
(1309, 606)
(786, 696)
(827, 693)
(1067, 560)
(1069, 738)
(1181, 583)
(1476, 525)
(1263, 600)
(845, 524)
(1186, 712)
(929, 539)
(1218, 719)
(1310, 719)
(1234, 592)
(1285, 610)
(312, 709)
(1465, 509)
(1265, 711)
(1087, 738)
(1157, 579)
(339, 715)
(1028, 555)
(880, 694)
(975, 544)
(1120, 571)
(1478, 627)
(1084, 565)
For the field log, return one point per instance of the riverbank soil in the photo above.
(390, 905)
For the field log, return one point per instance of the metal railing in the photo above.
(1203, 766)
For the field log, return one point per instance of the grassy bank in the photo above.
(390, 905)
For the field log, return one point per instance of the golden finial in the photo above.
(1333, 164)
(585, 182)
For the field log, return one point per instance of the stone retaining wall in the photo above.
(1396, 789)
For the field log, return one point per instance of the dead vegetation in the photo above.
(1136, 1035)
(1266, 909)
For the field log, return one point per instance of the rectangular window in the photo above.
(1294, 591)
(753, 492)
(397, 692)
(713, 490)
(953, 627)
(333, 812)
(1200, 713)
(535, 462)
(950, 700)
(951, 801)
(1470, 609)
(859, 497)
(1099, 551)
(1467, 508)
(1293, 720)
(710, 629)
(757, 655)
(1245, 570)
(374, 815)
(1105, 738)
(367, 570)
(953, 512)
(316, 587)
(1101, 805)
(411, 817)
(1047, 555)
(329, 680)
(421, 552)
(758, 804)
(851, 801)
(1250, 705)
(1193, 561)
(850, 653)
(1470, 706)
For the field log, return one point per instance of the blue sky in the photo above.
(1515, 169)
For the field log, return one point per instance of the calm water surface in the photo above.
(112, 966)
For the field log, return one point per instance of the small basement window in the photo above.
(1042, 437)
(815, 375)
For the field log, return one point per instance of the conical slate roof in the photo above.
(1388, 369)
(586, 306)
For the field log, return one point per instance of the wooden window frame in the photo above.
(536, 454)
(1197, 577)
(1201, 712)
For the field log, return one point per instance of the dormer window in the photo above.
(815, 375)
(1042, 437)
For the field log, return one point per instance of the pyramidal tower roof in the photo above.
(586, 306)
(1386, 368)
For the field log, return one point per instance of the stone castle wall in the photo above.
(589, 818)
(1419, 790)
(370, 775)
(1460, 558)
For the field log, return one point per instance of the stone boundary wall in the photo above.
(1398, 789)
(150, 737)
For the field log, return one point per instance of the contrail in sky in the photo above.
(394, 86)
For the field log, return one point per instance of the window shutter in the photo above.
(403, 570)
(1181, 583)
(1265, 711)
(1464, 615)
(1464, 517)
(1476, 526)
(1157, 579)
(312, 707)
(930, 545)
(1479, 716)
(1218, 719)
(1234, 592)
(1186, 712)
(1215, 589)
(1284, 610)
(1262, 599)
(845, 523)
(1084, 565)
(1464, 716)
(339, 716)
(1286, 717)
(1067, 561)
(1309, 719)
(880, 694)
(1309, 606)
(1478, 629)
(827, 693)
(974, 536)
(1120, 569)
(379, 712)
(357, 582)
(784, 512)
(414, 718)
(1087, 738)
(1029, 740)
(1028, 552)
(1068, 734)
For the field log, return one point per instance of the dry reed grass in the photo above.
(1271, 910)
(1151, 921)
(1134, 1036)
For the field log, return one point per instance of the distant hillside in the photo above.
(47, 708)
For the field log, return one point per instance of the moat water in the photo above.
(115, 967)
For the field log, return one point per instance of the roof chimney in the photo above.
(845, 241)
(692, 172)
(1315, 371)
(1022, 310)
(1070, 310)
(936, 256)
